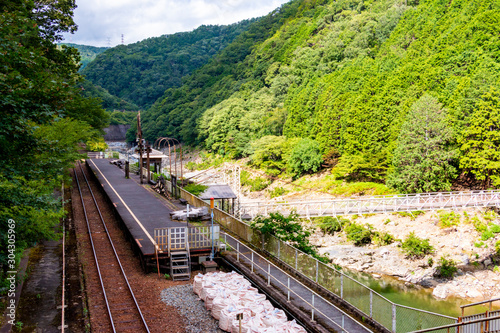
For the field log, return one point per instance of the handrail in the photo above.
(456, 325)
(231, 223)
(289, 289)
(377, 204)
(479, 303)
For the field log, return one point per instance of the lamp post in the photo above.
(212, 228)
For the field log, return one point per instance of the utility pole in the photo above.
(148, 150)
(140, 145)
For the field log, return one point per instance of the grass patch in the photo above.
(255, 183)
(448, 219)
(331, 185)
(207, 160)
(277, 192)
(412, 215)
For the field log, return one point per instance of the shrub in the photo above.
(497, 247)
(195, 189)
(415, 247)
(447, 267)
(330, 225)
(359, 234)
(305, 157)
(287, 229)
(383, 238)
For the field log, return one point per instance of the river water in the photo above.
(414, 296)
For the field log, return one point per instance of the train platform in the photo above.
(140, 210)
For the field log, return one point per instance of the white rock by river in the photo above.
(475, 279)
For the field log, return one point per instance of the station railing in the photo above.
(377, 204)
(394, 317)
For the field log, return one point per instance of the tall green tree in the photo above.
(480, 141)
(423, 159)
(44, 118)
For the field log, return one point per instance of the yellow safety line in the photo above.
(126, 206)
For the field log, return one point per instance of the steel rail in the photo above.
(114, 251)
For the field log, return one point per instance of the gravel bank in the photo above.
(197, 318)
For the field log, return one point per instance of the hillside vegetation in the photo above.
(141, 72)
(87, 53)
(401, 92)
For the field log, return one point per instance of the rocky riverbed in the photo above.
(477, 278)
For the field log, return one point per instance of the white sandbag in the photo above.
(211, 294)
(256, 325)
(273, 318)
(226, 318)
(260, 307)
(247, 316)
(221, 303)
(293, 327)
(205, 287)
(253, 297)
(197, 283)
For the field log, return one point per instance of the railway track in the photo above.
(123, 311)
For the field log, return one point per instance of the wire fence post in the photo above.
(342, 286)
(279, 248)
(317, 270)
(371, 304)
(296, 258)
(288, 290)
(252, 261)
(312, 308)
(238, 252)
(268, 274)
(393, 318)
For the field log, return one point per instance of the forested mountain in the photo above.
(87, 53)
(356, 80)
(140, 73)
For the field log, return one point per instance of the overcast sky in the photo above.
(102, 22)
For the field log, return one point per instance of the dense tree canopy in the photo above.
(141, 72)
(344, 73)
(480, 141)
(44, 117)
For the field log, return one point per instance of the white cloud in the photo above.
(100, 20)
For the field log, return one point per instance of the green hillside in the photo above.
(140, 73)
(352, 76)
(87, 52)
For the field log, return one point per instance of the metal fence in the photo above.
(394, 317)
(481, 325)
(377, 204)
(309, 300)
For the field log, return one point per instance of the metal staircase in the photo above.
(180, 265)
(178, 248)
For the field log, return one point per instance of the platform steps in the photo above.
(180, 265)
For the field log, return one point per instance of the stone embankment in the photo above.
(477, 278)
